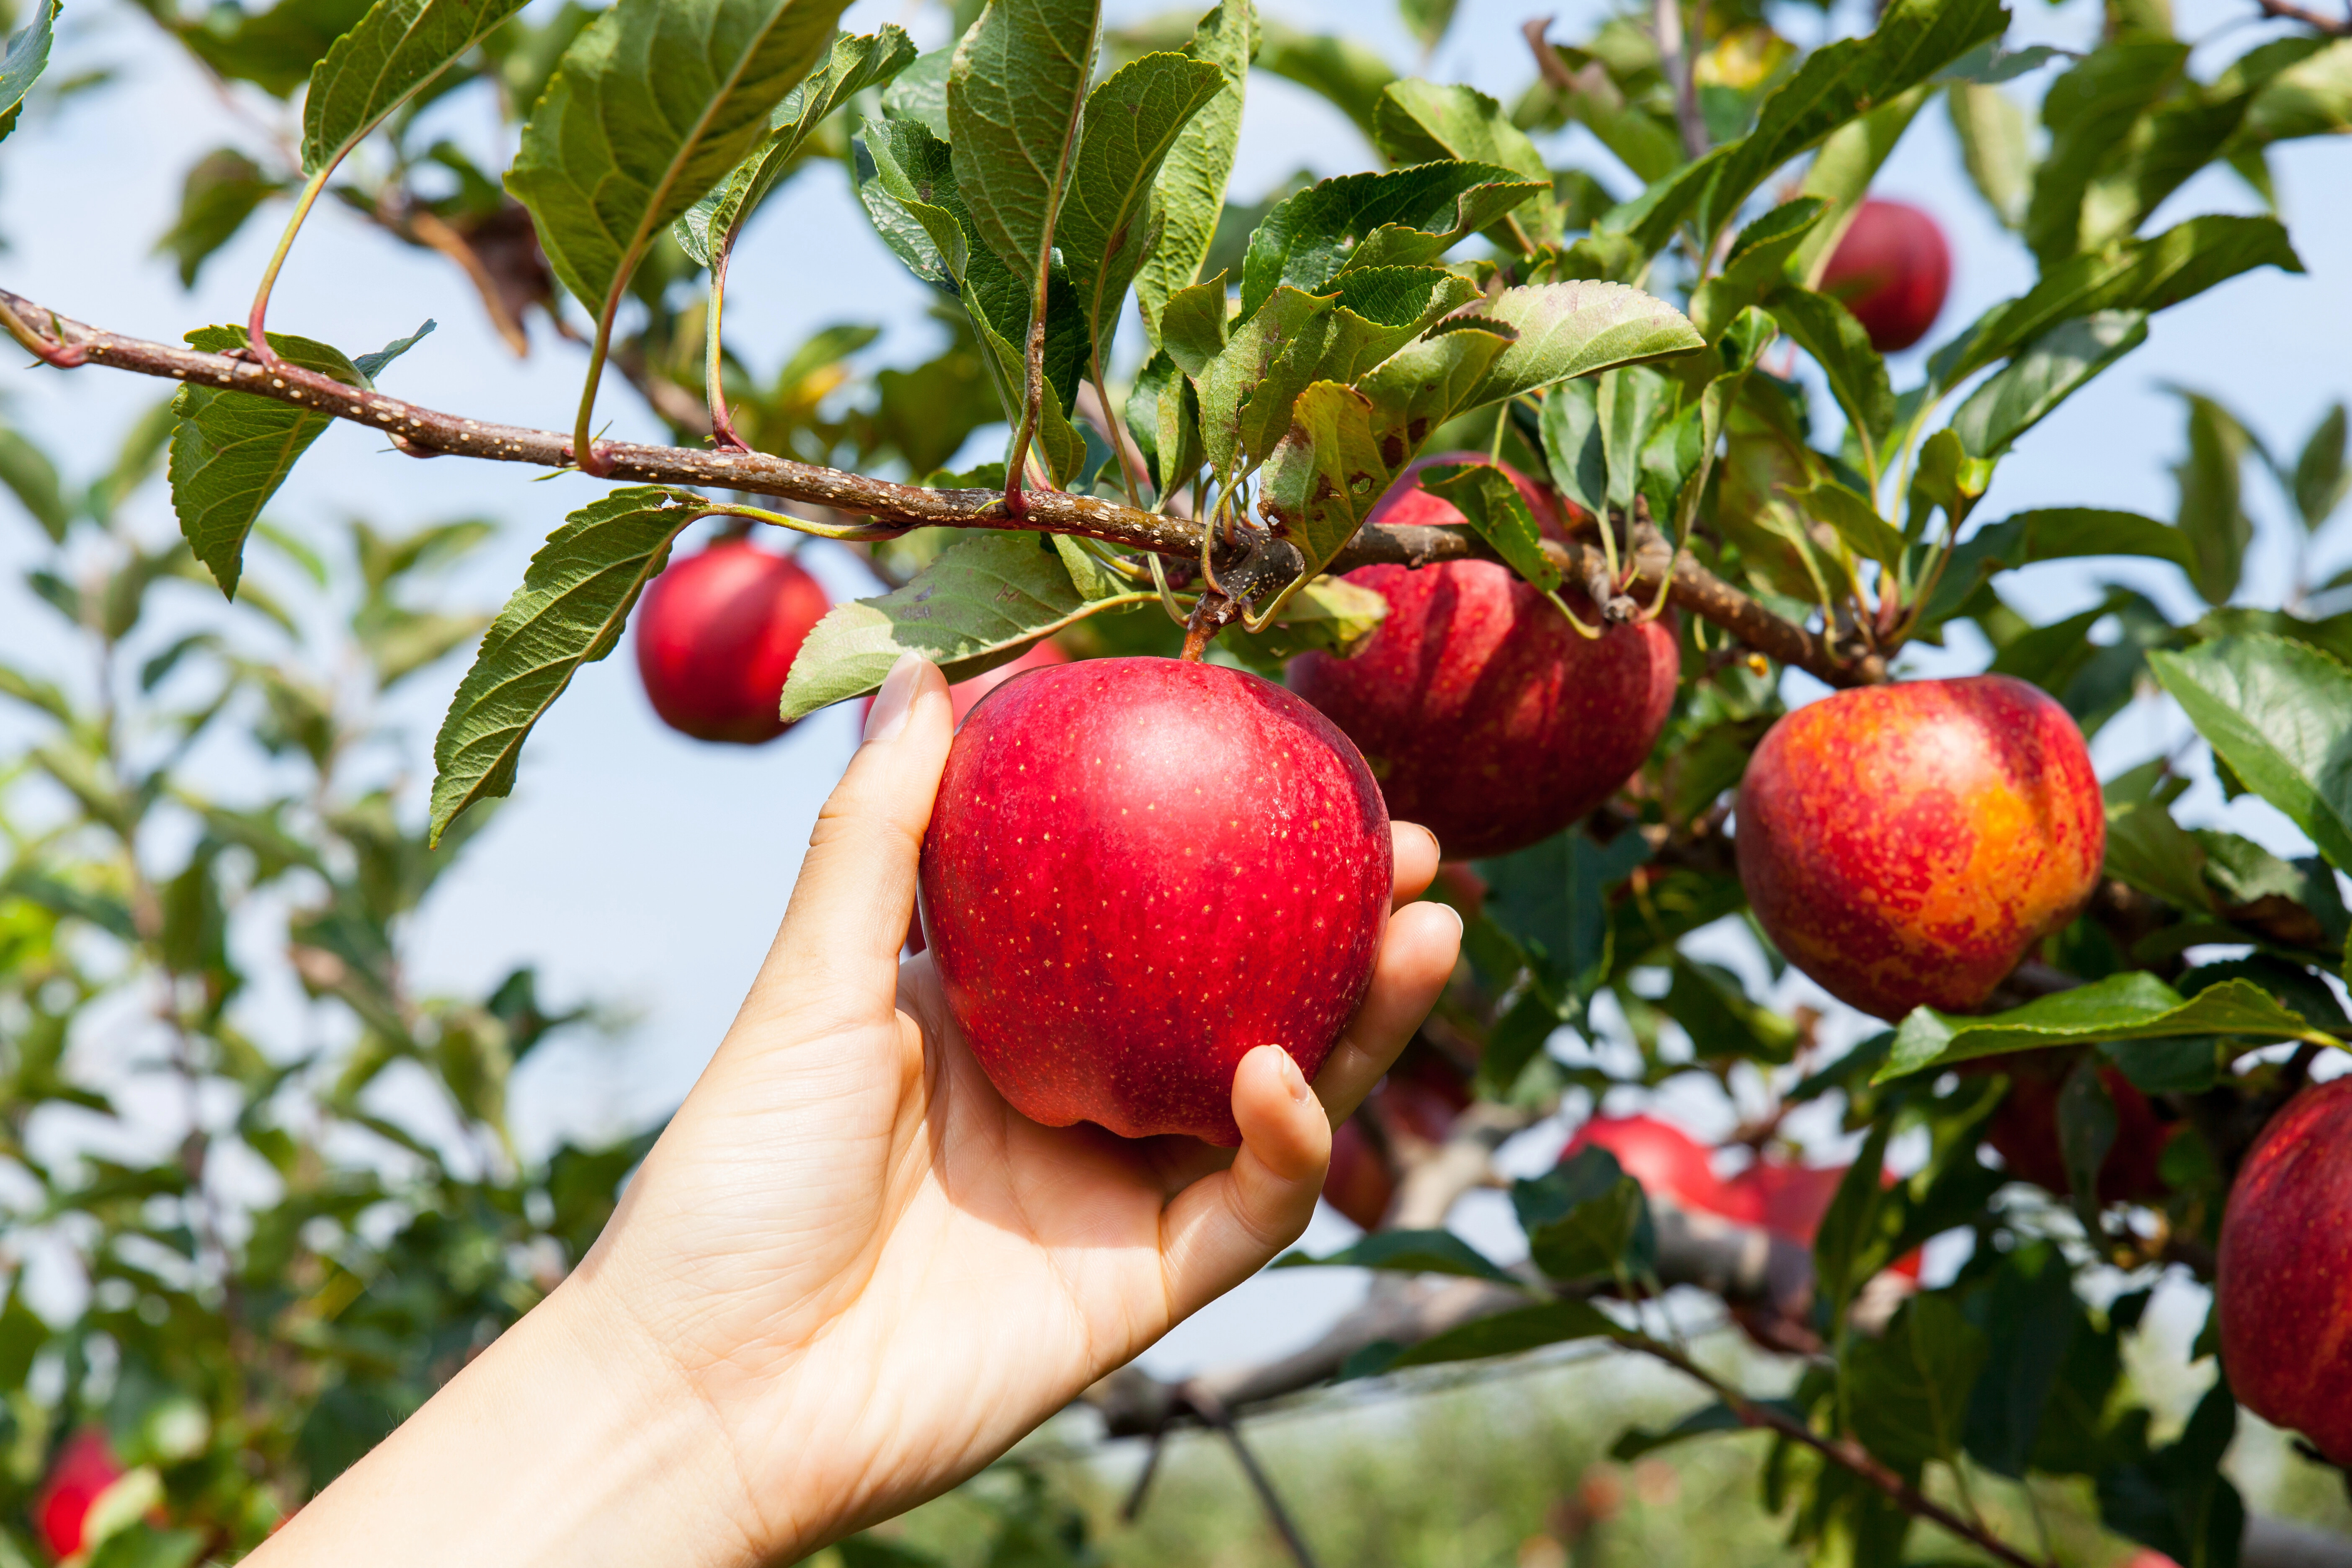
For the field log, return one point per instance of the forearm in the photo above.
(568, 1441)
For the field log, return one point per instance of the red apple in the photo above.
(85, 1469)
(1892, 269)
(2283, 1281)
(1140, 869)
(1907, 844)
(1487, 718)
(1789, 1199)
(1419, 1099)
(2024, 1130)
(716, 637)
(1668, 1161)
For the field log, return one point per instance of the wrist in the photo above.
(571, 1440)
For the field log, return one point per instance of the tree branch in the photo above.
(427, 433)
(2285, 11)
(1844, 1452)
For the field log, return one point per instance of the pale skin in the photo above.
(849, 1275)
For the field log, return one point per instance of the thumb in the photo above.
(834, 961)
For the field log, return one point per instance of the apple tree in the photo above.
(1664, 424)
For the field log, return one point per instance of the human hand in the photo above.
(850, 1275)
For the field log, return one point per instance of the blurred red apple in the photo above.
(2284, 1283)
(1892, 269)
(1486, 716)
(1668, 1161)
(85, 1467)
(1789, 1199)
(1907, 844)
(717, 634)
(1140, 869)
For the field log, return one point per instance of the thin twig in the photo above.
(1844, 1452)
(423, 431)
(1214, 1412)
(2286, 11)
(1666, 18)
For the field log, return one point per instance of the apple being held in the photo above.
(1138, 871)
(2283, 1285)
(1892, 269)
(1668, 1161)
(1486, 716)
(717, 634)
(86, 1467)
(1907, 844)
(2024, 1130)
(1417, 1100)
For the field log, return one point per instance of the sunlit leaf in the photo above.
(2280, 714)
(569, 612)
(982, 604)
(2132, 1005)
(1191, 180)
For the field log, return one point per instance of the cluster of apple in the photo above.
(1139, 869)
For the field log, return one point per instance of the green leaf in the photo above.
(231, 450)
(1909, 1387)
(1574, 448)
(371, 365)
(1325, 473)
(2087, 1130)
(1406, 1252)
(2050, 370)
(29, 475)
(1850, 1244)
(2089, 111)
(275, 48)
(2059, 534)
(1756, 264)
(1585, 1217)
(1422, 122)
(921, 92)
(1016, 95)
(1296, 339)
(1857, 375)
(1347, 73)
(1913, 40)
(2212, 516)
(1112, 218)
(2279, 713)
(2178, 1500)
(1404, 217)
(1996, 147)
(1427, 19)
(1564, 330)
(569, 612)
(2130, 275)
(220, 192)
(1062, 448)
(397, 48)
(1509, 1333)
(1495, 509)
(858, 61)
(654, 103)
(1191, 180)
(2321, 475)
(2312, 97)
(1841, 173)
(2148, 850)
(1714, 1009)
(27, 56)
(980, 605)
(1854, 518)
(2132, 1005)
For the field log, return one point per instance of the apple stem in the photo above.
(1211, 613)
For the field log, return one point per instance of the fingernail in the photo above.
(1293, 1079)
(892, 702)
